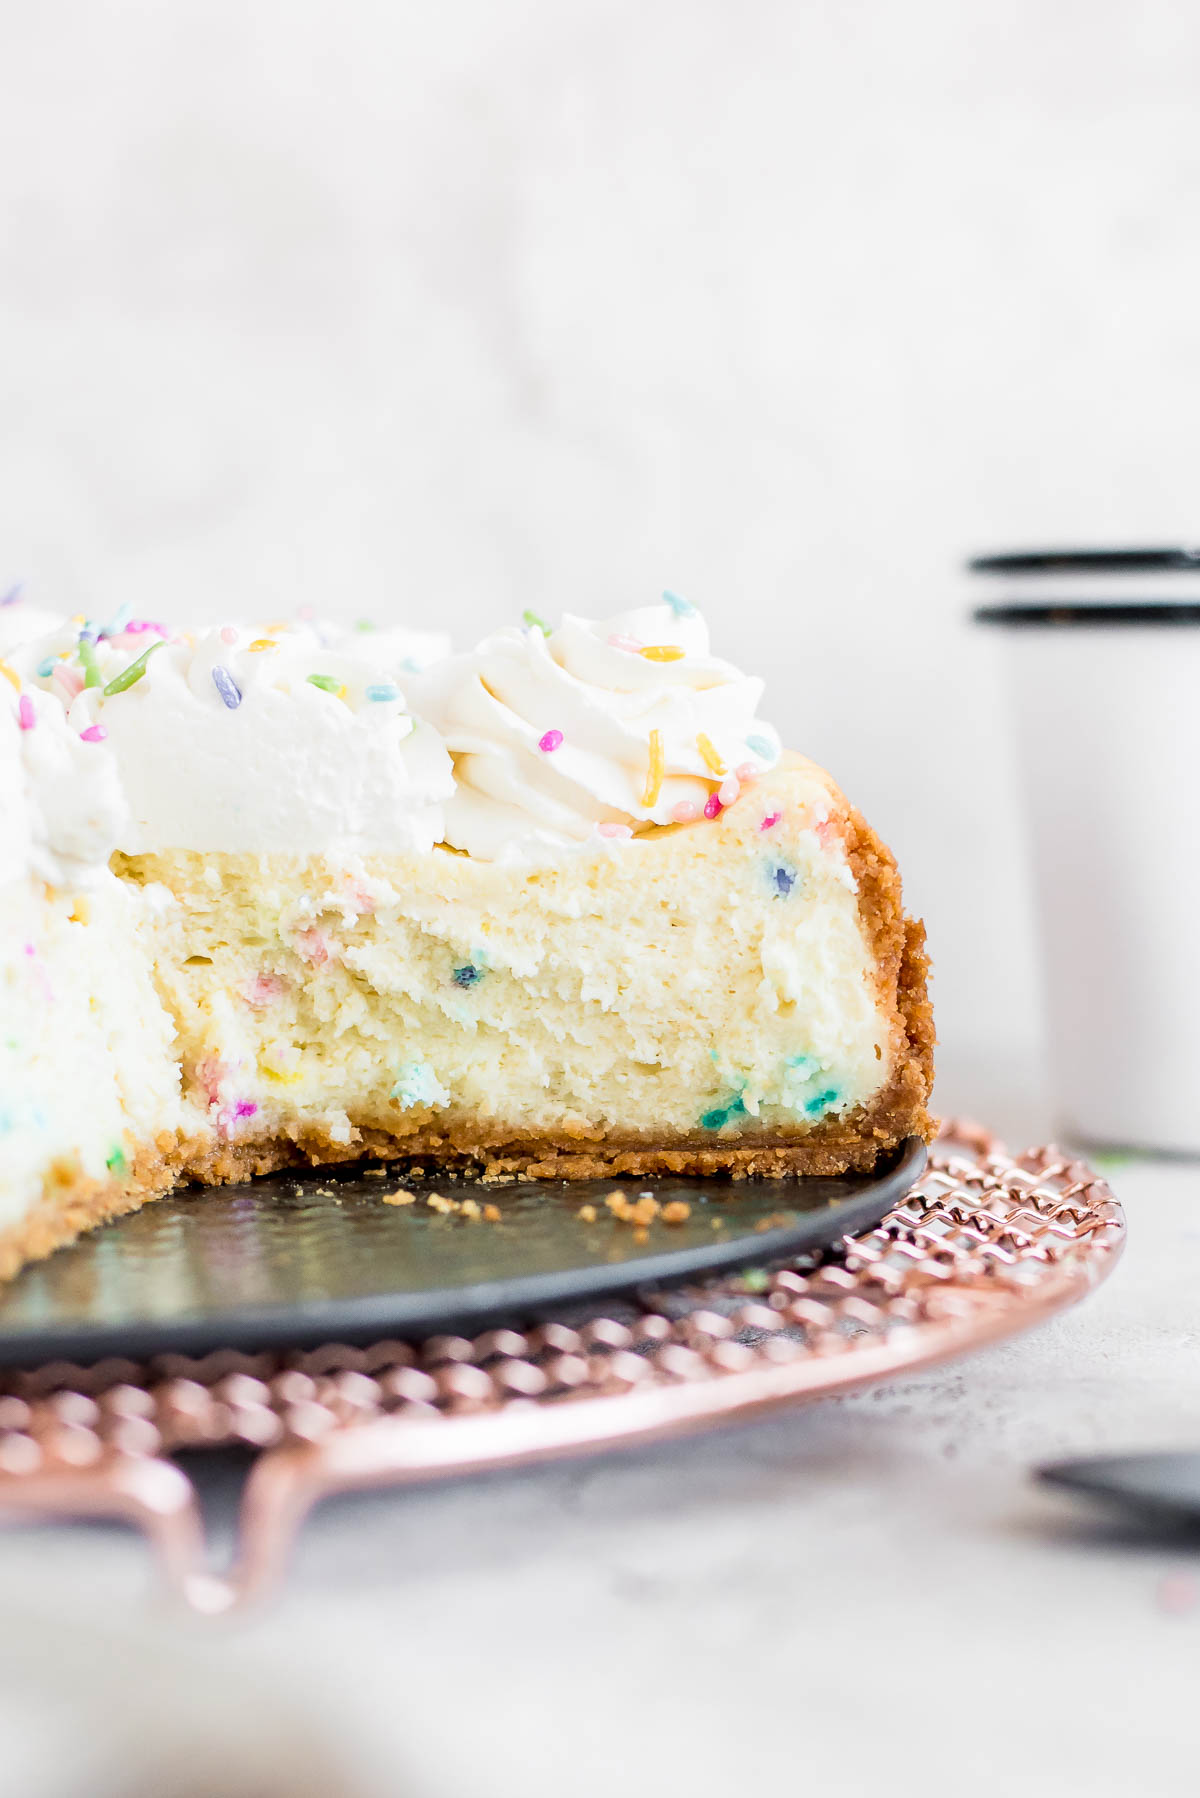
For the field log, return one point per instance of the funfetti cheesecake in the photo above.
(556, 907)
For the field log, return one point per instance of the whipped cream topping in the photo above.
(611, 725)
(61, 805)
(283, 739)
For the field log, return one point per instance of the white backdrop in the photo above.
(440, 312)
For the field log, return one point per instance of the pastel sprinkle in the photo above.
(328, 683)
(535, 623)
(785, 880)
(747, 773)
(364, 624)
(69, 679)
(655, 770)
(95, 733)
(382, 693)
(821, 1101)
(685, 812)
(663, 652)
(245, 1108)
(121, 682)
(709, 755)
(26, 716)
(116, 624)
(12, 596)
(550, 742)
(45, 667)
(227, 687)
(137, 626)
(115, 1162)
(762, 747)
(631, 644)
(729, 790)
(261, 643)
(468, 975)
(11, 674)
(228, 634)
(712, 806)
(770, 821)
(682, 608)
(614, 830)
(92, 676)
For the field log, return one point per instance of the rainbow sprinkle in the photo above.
(630, 644)
(261, 643)
(26, 716)
(535, 623)
(682, 608)
(655, 770)
(11, 674)
(709, 755)
(761, 747)
(729, 790)
(663, 652)
(131, 675)
(328, 683)
(12, 596)
(550, 742)
(116, 624)
(770, 821)
(92, 676)
(95, 733)
(712, 806)
(614, 830)
(45, 667)
(685, 812)
(382, 693)
(227, 687)
(228, 634)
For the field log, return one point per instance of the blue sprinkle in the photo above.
(227, 687)
(682, 608)
(712, 1120)
(46, 667)
(383, 693)
(467, 976)
(118, 621)
(822, 1101)
(804, 1064)
(410, 665)
(761, 747)
(784, 878)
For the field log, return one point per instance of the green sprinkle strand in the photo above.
(327, 683)
(131, 675)
(535, 623)
(92, 676)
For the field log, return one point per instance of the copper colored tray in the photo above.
(983, 1245)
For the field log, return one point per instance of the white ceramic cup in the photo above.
(1106, 691)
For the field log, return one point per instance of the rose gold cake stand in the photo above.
(982, 1246)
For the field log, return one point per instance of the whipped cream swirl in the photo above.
(279, 739)
(623, 723)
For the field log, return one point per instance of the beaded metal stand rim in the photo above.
(982, 1246)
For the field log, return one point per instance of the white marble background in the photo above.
(442, 311)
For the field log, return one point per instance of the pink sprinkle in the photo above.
(228, 634)
(137, 626)
(728, 790)
(616, 641)
(614, 830)
(551, 741)
(26, 716)
(95, 733)
(826, 829)
(770, 821)
(712, 806)
(69, 679)
(313, 947)
(263, 989)
(245, 1108)
(747, 774)
(685, 812)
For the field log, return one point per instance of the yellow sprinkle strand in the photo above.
(711, 758)
(662, 652)
(11, 674)
(262, 643)
(655, 771)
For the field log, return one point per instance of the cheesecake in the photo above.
(557, 907)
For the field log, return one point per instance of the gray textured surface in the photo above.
(859, 1594)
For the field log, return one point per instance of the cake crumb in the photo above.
(641, 1235)
(471, 1208)
(677, 1212)
(491, 1214)
(644, 1212)
(437, 1201)
(399, 1197)
(587, 1214)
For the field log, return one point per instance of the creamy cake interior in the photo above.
(556, 907)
